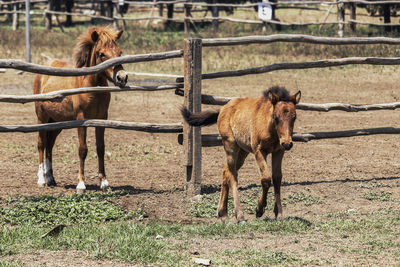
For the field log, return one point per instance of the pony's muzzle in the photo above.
(286, 146)
(120, 76)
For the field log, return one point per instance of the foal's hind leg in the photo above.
(265, 181)
(51, 139)
(230, 180)
(277, 179)
(100, 157)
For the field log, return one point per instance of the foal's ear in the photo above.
(95, 36)
(274, 98)
(296, 98)
(119, 35)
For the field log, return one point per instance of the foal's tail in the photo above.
(203, 118)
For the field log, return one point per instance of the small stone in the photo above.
(158, 237)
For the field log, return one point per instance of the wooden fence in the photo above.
(191, 137)
(84, 8)
(193, 140)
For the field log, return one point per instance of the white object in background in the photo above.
(264, 11)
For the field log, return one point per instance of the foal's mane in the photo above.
(82, 50)
(283, 94)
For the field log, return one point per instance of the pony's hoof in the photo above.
(81, 188)
(104, 185)
(51, 183)
(80, 191)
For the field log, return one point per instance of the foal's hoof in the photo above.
(241, 219)
(260, 212)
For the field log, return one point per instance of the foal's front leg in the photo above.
(261, 157)
(100, 158)
(277, 180)
(80, 188)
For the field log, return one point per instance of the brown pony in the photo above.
(260, 126)
(94, 46)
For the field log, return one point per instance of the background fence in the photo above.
(191, 12)
(193, 98)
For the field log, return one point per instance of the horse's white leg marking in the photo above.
(41, 180)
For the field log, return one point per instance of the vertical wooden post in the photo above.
(50, 7)
(186, 19)
(215, 14)
(340, 9)
(28, 29)
(192, 135)
(353, 7)
(15, 17)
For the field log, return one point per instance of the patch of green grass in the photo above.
(256, 257)
(308, 200)
(10, 264)
(378, 196)
(50, 210)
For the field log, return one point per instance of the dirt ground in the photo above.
(150, 167)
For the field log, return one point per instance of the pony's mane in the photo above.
(85, 44)
(283, 94)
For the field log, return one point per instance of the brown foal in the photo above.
(94, 46)
(261, 126)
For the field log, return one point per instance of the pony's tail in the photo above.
(204, 118)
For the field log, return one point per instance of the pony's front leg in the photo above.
(80, 188)
(100, 158)
(277, 179)
(265, 181)
(42, 169)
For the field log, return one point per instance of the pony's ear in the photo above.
(274, 98)
(119, 35)
(95, 36)
(296, 98)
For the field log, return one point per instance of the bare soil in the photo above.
(149, 166)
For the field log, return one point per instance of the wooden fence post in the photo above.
(192, 135)
(215, 14)
(340, 12)
(50, 7)
(15, 17)
(353, 7)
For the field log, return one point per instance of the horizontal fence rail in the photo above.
(36, 68)
(220, 101)
(210, 140)
(260, 39)
(60, 95)
(119, 125)
(302, 65)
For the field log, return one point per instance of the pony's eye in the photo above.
(102, 55)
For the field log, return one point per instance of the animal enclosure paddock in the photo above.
(350, 179)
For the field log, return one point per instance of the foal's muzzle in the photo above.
(120, 77)
(286, 146)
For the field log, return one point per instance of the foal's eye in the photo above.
(276, 119)
(102, 55)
